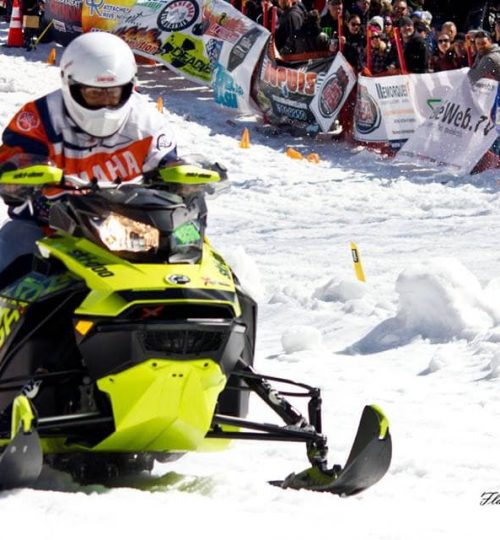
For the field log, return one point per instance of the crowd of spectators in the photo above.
(383, 36)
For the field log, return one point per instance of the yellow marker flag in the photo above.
(358, 267)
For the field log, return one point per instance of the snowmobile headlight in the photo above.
(120, 233)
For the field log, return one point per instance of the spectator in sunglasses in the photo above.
(414, 48)
(445, 58)
(380, 53)
(354, 41)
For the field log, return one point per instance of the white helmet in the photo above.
(101, 60)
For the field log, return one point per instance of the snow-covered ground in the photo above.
(421, 338)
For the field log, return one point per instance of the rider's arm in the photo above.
(25, 134)
(163, 146)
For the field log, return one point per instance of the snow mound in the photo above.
(442, 299)
(340, 292)
(439, 300)
(301, 338)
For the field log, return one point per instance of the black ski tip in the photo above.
(368, 461)
(21, 461)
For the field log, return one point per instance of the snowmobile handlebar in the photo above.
(38, 171)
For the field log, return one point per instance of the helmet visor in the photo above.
(97, 97)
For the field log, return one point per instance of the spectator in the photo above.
(497, 31)
(487, 61)
(375, 8)
(354, 40)
(445, 58)
(389, 28)
(330, 20)
(460, 50)
(414, 49)
(378, 22)
(386, 8)
(423, 16)
(486, 65)
(450, 28)
(310, 38)
(470, 43)
(399, 10)
(421, 30)
(361, 8)
(255, 10)
(380, 54)
(289, 24)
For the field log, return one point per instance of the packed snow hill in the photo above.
(420, 338)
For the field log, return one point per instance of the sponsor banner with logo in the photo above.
(284, 93)
(391, 108)
(234, 45)
(104, 14)
(169, 31)
(332, 92)
(458, 132)
(66, 17)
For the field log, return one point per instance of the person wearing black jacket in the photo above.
(289, 25)
(330, 20)
(415, 51)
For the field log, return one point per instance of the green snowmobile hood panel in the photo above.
(115, 283)
(158, 406)
(162, 405)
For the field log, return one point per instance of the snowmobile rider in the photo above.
(96, 127)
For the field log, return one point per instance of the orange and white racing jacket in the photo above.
(43, 127)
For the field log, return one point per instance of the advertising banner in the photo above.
(67, 19)
(391, 108)
(332, 90)
(104, 14)
(169, 31)
(458, 132)
(234, 45)
(284, 93)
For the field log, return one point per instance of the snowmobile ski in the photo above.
(367, 463)
(22, 459)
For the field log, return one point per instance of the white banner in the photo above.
(458, 132)
(332, 91)
(234, 45)
(391, 108)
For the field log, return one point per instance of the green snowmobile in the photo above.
(128, 339)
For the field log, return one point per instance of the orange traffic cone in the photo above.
(294, 154)
(159, 104)
(15, 36)
(313, 158)
(51, 59)
(245, 139)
